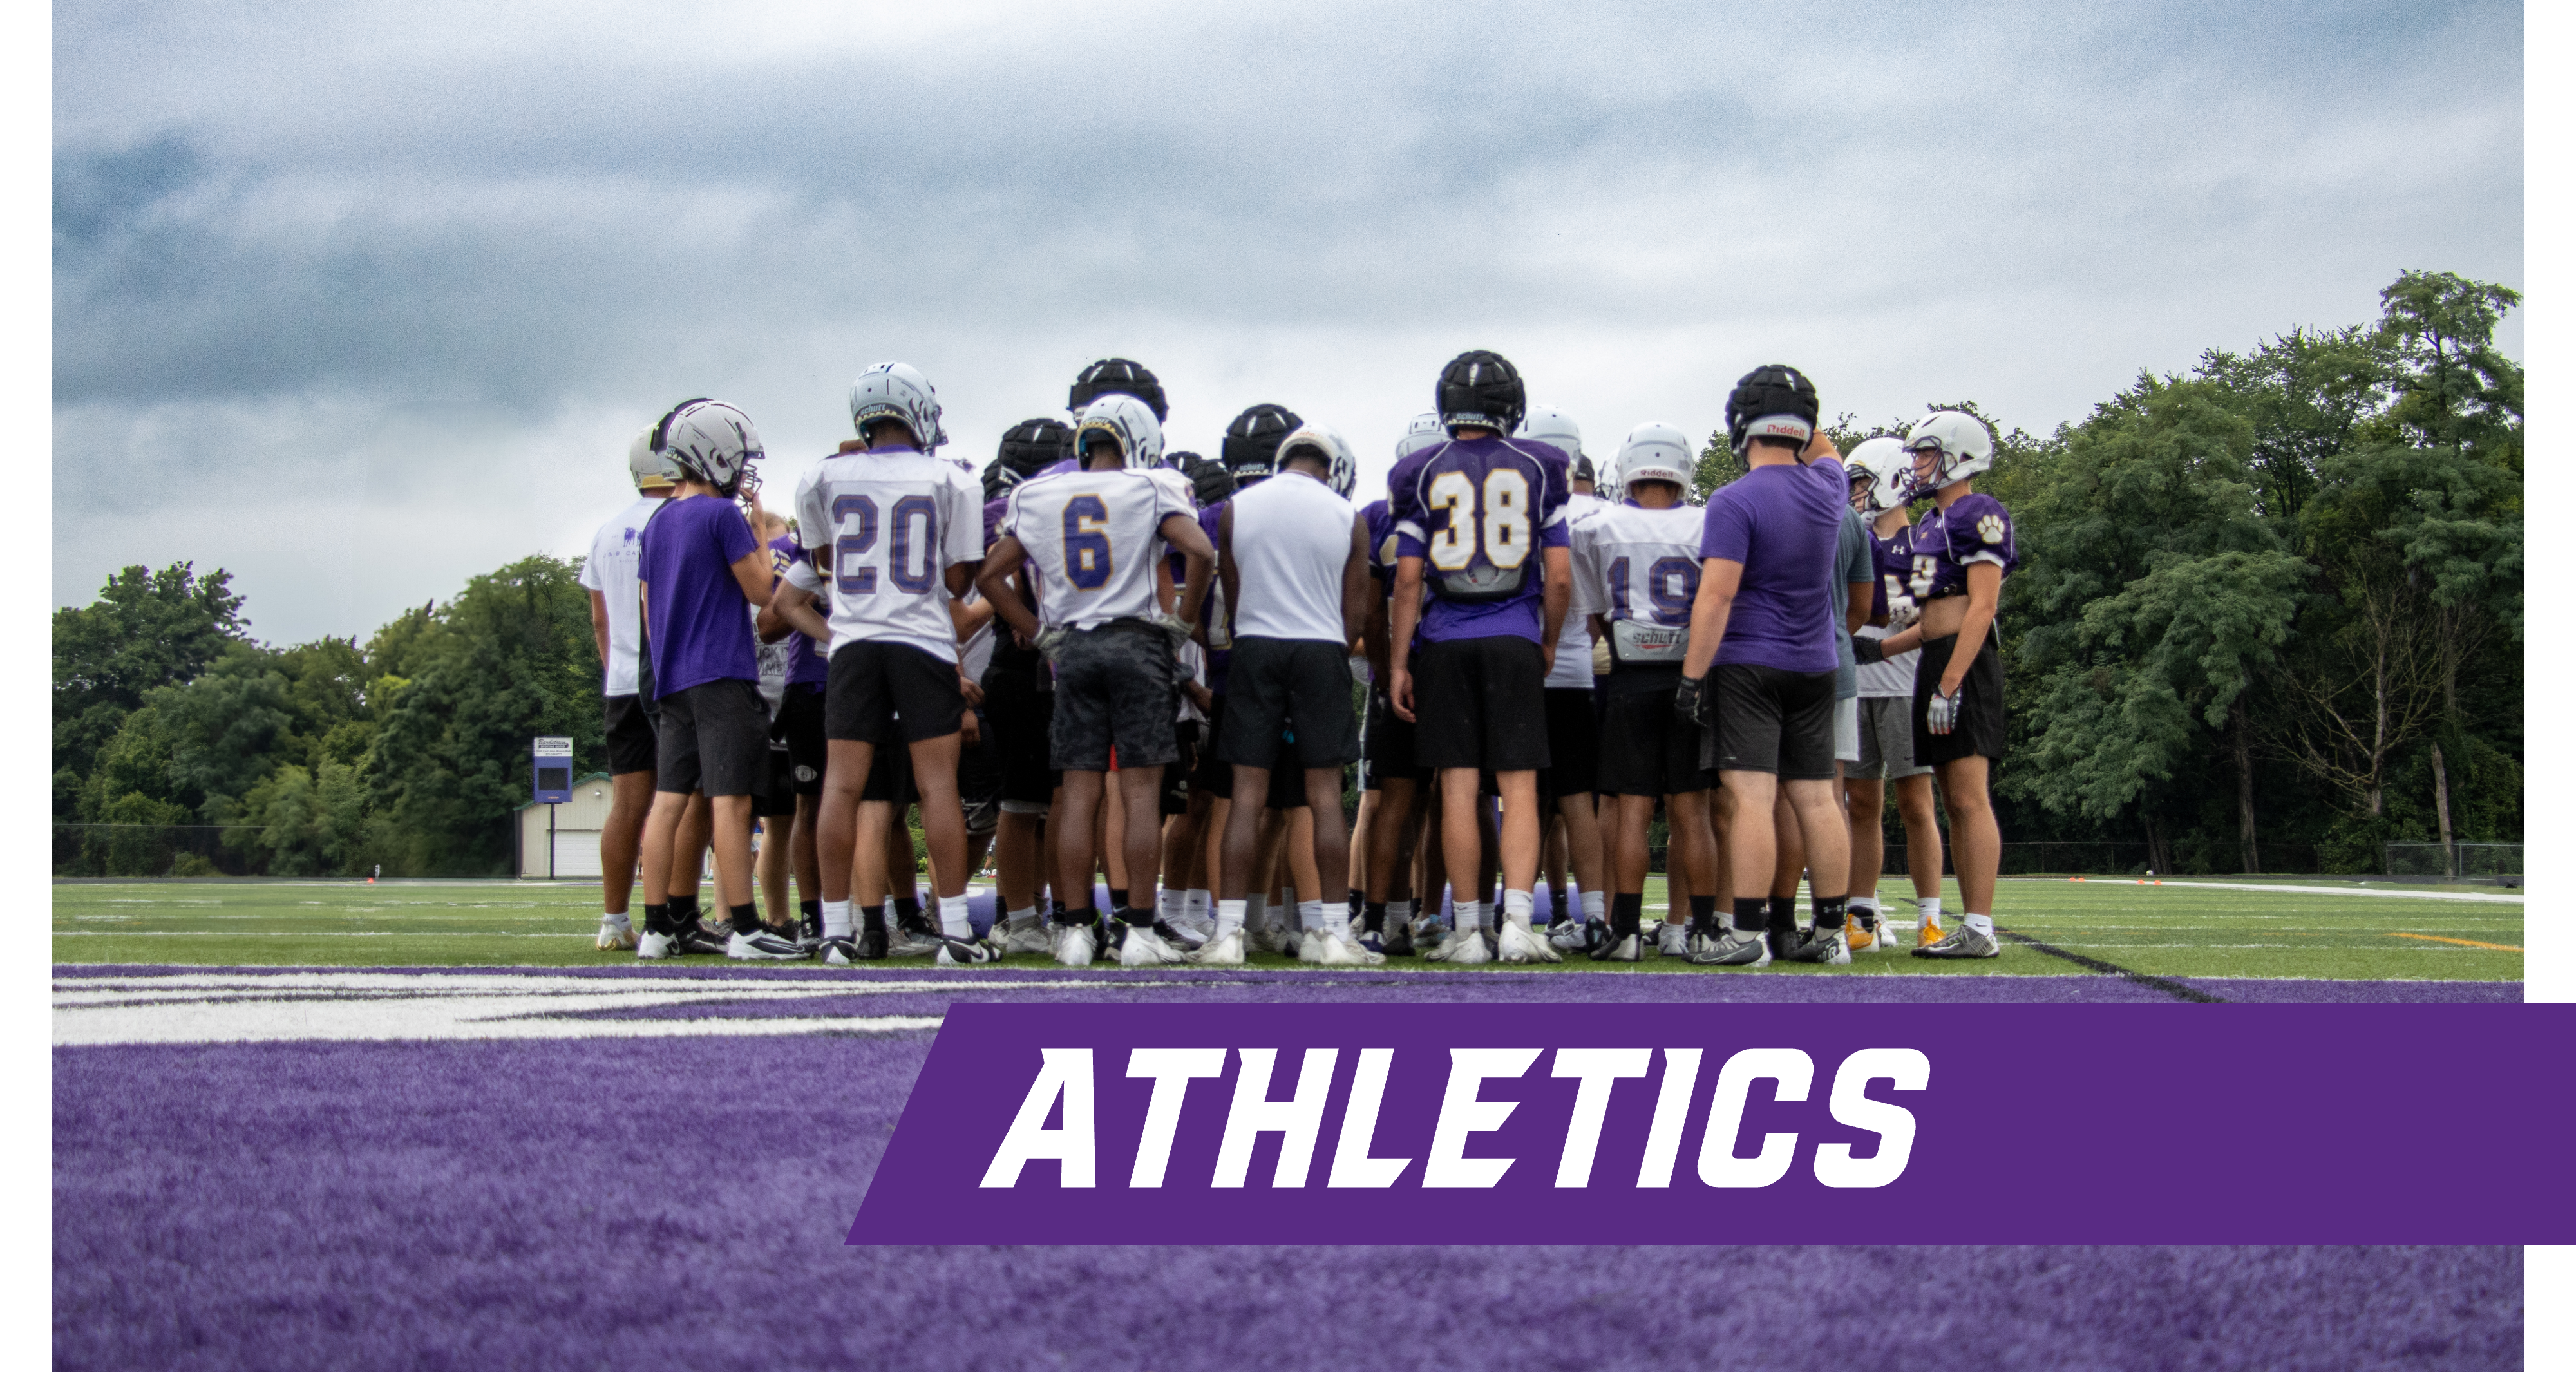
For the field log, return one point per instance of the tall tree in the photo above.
(147, 629)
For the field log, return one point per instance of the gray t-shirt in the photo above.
(1852, 563)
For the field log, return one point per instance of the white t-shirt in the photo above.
(1093, 539)
(1631, 563)
(896, 520)
(1292, 538)
(610, 571)
(1573, 665)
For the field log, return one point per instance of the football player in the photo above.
(796, 750)
(701, 569)
(1480, 522)
(1019, 703)
(1636, 576)
(898, 533)
(609, 575)
(1762, 659)
(1388, 738)
(1293, 559)
(1880, 471)
(1962, 553)
(1573, 731)
(1094, 536)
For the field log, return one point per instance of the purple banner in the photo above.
(1580, 1124)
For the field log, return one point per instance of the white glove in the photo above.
(1941, 713)
(1051, 639)
(1902, 612)
(1174, 628)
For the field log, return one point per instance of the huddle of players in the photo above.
(1142, 598)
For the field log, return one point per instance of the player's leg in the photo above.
(689, 862)
(1551, 862)
(1355, 871)
(1112, 841)
(1865, 801)
(1813, 743)
(1788, 864)
(621, 843)
(1976, 851)
(1923, 849)
(1390, 867)
(1071, 822)
(1568, 786)
(943, 826)
(1750, 849)
(1511, 678)
(733, 743)
(1692, 874)
(1624, 939)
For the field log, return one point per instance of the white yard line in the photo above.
(2326, 891)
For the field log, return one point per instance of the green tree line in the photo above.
(2272, 605)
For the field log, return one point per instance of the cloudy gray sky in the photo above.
(360, 300)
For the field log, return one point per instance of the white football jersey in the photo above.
(1573, 666)
(1093, 539)
(1642, 567)
(610, 571)
(896, 521)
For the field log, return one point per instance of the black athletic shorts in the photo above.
(979, 778)
(775, 793)
(1481, 703)
(1019, 709)
(1388, 741)
(874, 683)
(1980, 729)
(1115, 687)
(630, 734)
(800, 726)
(1190, 737)
(1771, 721)
(712, 737)
(890, 776)
(1213, 776)
(1645, 751)
(1573, 745)
(1298, 685)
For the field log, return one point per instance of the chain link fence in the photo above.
(2456, 862)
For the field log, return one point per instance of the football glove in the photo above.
(1941, 713)
(1690, 703)
(1866, 649)
(1051, 639)
(1902, 612)
(1174, 628)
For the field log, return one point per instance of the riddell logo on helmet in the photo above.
(1781, 427)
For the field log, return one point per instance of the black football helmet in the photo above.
(1210, 483)
(1252, 441)
(1030, 445)
(1773, 401)
(1481, 389)
(1117, 377)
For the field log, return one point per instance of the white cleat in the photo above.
(616, 933)
(1221, 953)
(1029, 938)
(1673, 941)
(1464, 947)
(1340, 953)
(1074, 945)
(1269, 940)
(1566, 936)
(1142, 948)
(762, 946)
(1310, 946)
(1521, 944)
(656, 946)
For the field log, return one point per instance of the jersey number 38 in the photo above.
(1501, 517)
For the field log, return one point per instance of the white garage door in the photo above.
(576, 854)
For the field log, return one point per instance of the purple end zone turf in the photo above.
(682, 1203)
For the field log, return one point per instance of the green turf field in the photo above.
(2173, 931)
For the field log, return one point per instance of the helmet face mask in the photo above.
(1880, 470)
(709, 441)
(897, 391)
(1959, 446)
(1122, 420)
(1481, 390)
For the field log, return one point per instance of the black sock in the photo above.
(810, 914)
(1556, 905)
(1783, 913)
(657, 919)
(907, 908)
(873, 918)
(1359, 899)
(1864, 911)
(1085, 916)
(746, 918)
(1373, 916)
(684, 908)
(1118, 898)
(1703, 911)
(1750, 912)
(1058, 911)
(1829, 913)
(1627, 910)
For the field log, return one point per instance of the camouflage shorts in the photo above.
(1114, 686)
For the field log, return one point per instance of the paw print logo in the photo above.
(1991, 529)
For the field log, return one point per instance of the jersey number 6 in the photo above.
(1086, 542)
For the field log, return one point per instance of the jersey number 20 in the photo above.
(850, 570)
(1502, 517)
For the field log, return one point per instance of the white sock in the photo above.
(1170, 904)
(1471, 914)
(1195, 904)
(953, 920)
(616, 920)
(1229, 917)
(1310, 915)
(1399, 914)
(892, 924)
(1595, 906)
(836, 920)
(1025, 918)
(1253, 910)
(1517, 906)
(1982, 924)
(1928, 908)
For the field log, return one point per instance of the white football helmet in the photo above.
(1123, 418)
(898, 390)
(1965, 447)
(1549, 425)
(651, 471)
(1342, 468)
(1883, 463)
(1425, 431)
(1654, 452)
(711, 441)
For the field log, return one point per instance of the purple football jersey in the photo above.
(1781, 522)
(1479, 513)
(805, 665)
(1894, 556)
(1975, 529)
(695, 613)
(1382, 542)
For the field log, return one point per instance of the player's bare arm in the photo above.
(599, 624)
(1407, 610)
(1558, 593)
(1356, 585)
(1718, 580)
(1373, 634)
(1229, 576)
(1182, 532)
(994, 579)
(754, 575)
(792, 608)
(1857, 598)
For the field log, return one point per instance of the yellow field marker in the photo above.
(2439, 939)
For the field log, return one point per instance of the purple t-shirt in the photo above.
(805, 667)
(699, 623)
(1781, 522)
(1480, 512)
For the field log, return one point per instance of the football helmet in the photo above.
(999, 479)
(1341, 468)
(651, 471)
(897, 390)
(1117, 377)
(1031, 446)
(709, 440)
(1964, 445)
(1209, 481)
(1773, 401)
(1657, 453)
(1126, 420)
(1481, 389)
(1252, 439)
(1425, 431)
(1549, 425)
(1883, 463)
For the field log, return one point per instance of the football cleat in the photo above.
(657, 946)
(1570, 936)
(968, 953)
(1028, 938)
(695, 937)
(616, 934)
(1310, 946)
(1626, 948)
(1673, 940)
(1140, 947)
(1928, 932)
(914, 941)
(1221, 953)
(1180, 934)
(1371, 940)
(840, 953)
(872, 942)
(1961, 942)
(1734, 948)
(1521, 944)
(1340, 953)
(1462, 946)
(762, 945)
(1269, 939)
(1823, 946)
(1859, 933)
(1074, 945)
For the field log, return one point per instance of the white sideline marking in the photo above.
(2327, 891)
